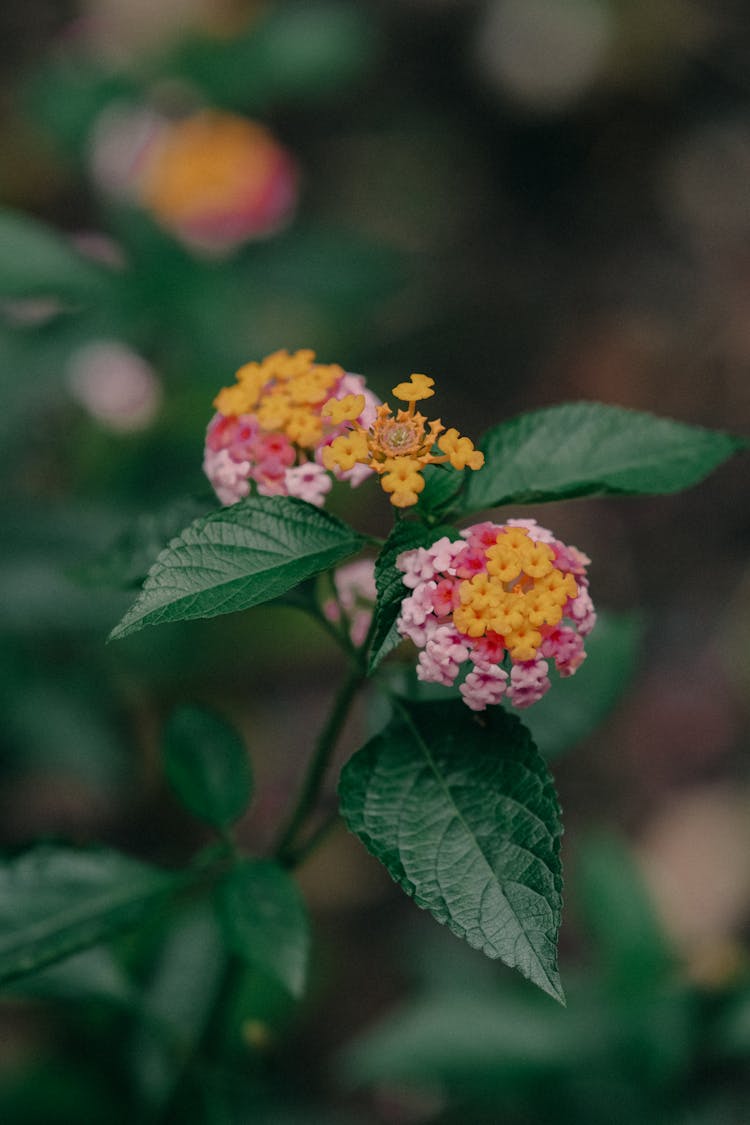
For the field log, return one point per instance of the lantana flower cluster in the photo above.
(504, 601)
(270, 428)
(396, 446)
(213, 179)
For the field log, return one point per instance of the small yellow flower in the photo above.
(274, 410)
(403, 480)
(252, 376)
(559, 586)
(346, 451)
(542, 610)
(346, 409)
(472, 620)
(313, 387)
(507, 617)
(281, 365)
(537, 560)
(239, 399)
(304, 428)
(480, 586)
(523, 642)
(417, 388)
(460, 450)
(503, 562)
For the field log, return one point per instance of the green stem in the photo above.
(324, 749)
(296, 856)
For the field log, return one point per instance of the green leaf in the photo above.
(574, 707)
(480, 1043)
(239, 557)
(587, 449)
(466, 820)
(265, 921)
(291, 51)
(176, 1002)
(207, 765)
(442, 486)
(732, 1034)
(92, 975)
(55, 901)
(35, 261)
(391, 590)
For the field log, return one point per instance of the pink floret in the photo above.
(229, 478)
(528, 683)
(308, 482)
(484, 686)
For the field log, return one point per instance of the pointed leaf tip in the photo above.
(466, 820)
(238, 557)
(591, 448)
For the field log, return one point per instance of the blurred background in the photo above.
(533, 201)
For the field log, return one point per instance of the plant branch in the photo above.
(324, 748)
(297, 855)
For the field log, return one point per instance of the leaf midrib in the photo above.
(639, 463)
(64, 919)
(441, 782)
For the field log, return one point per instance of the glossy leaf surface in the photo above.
(239, 557)
(465, 818)
(587, 449)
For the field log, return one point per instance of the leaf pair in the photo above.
(260, 548)
(56, 901)
(261, 912)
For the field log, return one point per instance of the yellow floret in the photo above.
(471, 620)
(310, 388)
(274, 410)
(541, 609)
(403, 480)
(346, 451)
(252, 374)
(503, 562)
(522, 643)
(481, 585)
(346, 409)
(239, 399)
(304, 428)
(417, 388)
(281, 365)
(516, 537)
(537, 560)
(558, 585)
(507, 615)
(460, 450)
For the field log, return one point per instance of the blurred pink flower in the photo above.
(355, 598)
(115, 385)
(215, 180)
